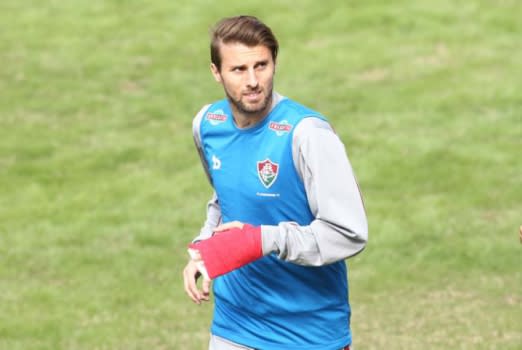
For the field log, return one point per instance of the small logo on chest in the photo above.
(217, 117)
(267, 172)
(280, 128)
(216, 163)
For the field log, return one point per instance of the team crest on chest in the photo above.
(267, 172)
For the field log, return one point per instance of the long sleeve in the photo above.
(213, 219)
(340, 228)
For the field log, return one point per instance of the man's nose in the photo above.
(252, 80)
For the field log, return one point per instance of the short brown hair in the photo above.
(247, 30)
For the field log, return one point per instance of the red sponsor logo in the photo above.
(216, 117)
(280, 127)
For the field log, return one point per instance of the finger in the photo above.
(190, 275)
(189, 290)
(228, 226)
(205, 285)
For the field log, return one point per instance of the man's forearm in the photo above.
(318, 244)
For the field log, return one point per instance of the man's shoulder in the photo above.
(214, 112)
(290, 106)
(209, 107)
(199, 115)
(309, 121)
(312, 125)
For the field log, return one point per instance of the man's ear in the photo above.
(215, 72)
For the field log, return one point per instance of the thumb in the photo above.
(228, 226)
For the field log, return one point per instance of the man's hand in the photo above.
(196, 269)
(228, 226)
(191, 274)
(232, 246)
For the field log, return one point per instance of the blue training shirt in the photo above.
(270, 304)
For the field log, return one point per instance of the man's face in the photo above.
(247, 76)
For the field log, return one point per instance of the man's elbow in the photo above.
(359, 240)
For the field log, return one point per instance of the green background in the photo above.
(101, 188)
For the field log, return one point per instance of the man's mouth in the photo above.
(252, 95)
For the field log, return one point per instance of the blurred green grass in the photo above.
(101, 188)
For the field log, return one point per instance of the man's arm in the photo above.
(340, 228)
(213, 218)
(195, 268)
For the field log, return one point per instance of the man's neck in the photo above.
(246, 121)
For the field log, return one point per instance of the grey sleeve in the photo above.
(213, 217)
(340, 228)
(212, 220)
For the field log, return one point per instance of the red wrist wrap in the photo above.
(230, 249)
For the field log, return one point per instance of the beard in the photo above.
(252, 110)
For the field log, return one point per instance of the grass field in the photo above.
(101, 188)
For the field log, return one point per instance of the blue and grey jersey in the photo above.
(290, 174)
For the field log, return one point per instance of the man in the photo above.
(286, 210)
